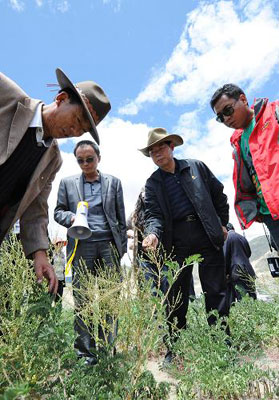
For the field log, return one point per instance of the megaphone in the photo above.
(80, 228)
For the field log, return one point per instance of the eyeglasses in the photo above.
(227, 111)
(87, 160)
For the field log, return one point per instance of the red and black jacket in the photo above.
(264, 148)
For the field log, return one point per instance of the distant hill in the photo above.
(259, 247)
(265, 283)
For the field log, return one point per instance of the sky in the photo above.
(159, 62)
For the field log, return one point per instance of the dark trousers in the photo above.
(190, 238)
(158, 282)
(91, 257)
(152, 274)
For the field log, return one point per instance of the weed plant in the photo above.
(138, 317)
(37, 359)
(209, 368)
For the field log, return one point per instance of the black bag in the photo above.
(273, 265)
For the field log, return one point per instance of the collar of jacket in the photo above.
(259, 106)
(183, 164)
(98, 179)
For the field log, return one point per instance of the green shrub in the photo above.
(37, 359)
(36, 343)
(210, 367)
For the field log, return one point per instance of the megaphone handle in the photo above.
(69, 262)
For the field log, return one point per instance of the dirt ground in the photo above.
(269, 360)
(161, 375)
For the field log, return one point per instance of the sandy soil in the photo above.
(161, 375)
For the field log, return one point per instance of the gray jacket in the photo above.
(71, 191)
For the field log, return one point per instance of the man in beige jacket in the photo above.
(30, 157)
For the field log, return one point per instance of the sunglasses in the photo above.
(227, 111)
(87, 160)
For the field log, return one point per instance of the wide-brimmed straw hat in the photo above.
(158, 135)
(92, 97)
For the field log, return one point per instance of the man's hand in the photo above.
(43, 269)
(225, 232)
(150, 242)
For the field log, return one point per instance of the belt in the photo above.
(187, 218)
(190, 217)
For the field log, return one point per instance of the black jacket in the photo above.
(237, 252)
(205, 192)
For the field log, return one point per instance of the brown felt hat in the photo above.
(159, 135)
(92, 97)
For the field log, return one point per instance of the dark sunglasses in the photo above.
(227, 111)
(87, 160)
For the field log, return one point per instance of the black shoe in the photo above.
(90, 361)
(168, 358)
(228, 342)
